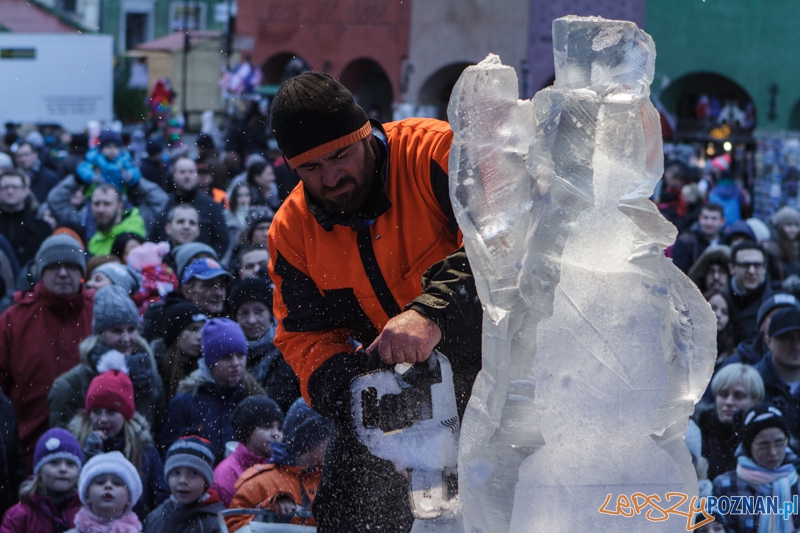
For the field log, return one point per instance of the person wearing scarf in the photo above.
(762, 470)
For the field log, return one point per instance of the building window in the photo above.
(188, 15)
(135, 29)
(68, 6)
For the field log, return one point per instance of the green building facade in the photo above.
(735, 48)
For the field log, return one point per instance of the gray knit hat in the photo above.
(112, 307)
(60, 249)
(121, 275)
(184, 254)
(193, 452)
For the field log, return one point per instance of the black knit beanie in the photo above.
(304, 428)
(252, 412)
(313, 114)
(179, 316)
(250, 290)
(758, 418)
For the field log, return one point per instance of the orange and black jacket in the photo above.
(341, 279)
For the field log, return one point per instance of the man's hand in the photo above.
(407, 338)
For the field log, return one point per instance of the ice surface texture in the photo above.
(595, 346)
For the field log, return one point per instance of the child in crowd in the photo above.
(290, 484)
(115, 328)
(178, 351)
(109, 163)
(110, 423)
(257, 424)
(193, 506)
(207, 398)
(109, 487)
(49, 500)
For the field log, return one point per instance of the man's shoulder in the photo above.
(417, 123)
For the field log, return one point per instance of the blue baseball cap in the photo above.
(204, 268)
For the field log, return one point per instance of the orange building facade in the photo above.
(363, 43)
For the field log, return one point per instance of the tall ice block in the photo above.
(595, 346)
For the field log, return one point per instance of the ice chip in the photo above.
(595, 345)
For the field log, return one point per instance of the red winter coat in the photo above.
(38, 515)
(39, 342)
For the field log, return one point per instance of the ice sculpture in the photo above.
(595, 346)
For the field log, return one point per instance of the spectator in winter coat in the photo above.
(251, 307)
(111, 219)
(18, 220)
(178, 351)
(109, 487)
(780, 367)
(12, 469)
(289, 484)
(257, 424)
(735, 388)
(213, 230)
(711, 271)
(734, 200)
(68, 203)
(786, 256)
(691, 244)
(194, 506)
(59, 306)
(752, 351)
(114, 274)
(115, 344)
(110, 423)
(183, 225)
(48, 502)
(763, 469)
(205, 283)
(42, 179)
(253, 261)
(154, 168)
(748, 288)
(208, 397)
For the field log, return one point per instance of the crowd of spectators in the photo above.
(747, 424)
(137, 321)
(140, 389)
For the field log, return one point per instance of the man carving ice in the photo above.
(366, 249)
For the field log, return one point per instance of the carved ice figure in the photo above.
(595, 346)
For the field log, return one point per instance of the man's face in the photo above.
(749, 269)
(254, 319)
(184, 226)
(717, 277)
(340, 179)
(62, 279)
(185, 175)
(106, 209)
(26, 157)
(785, 350)
(260, 233)
(252, 262)
(209, 295)
(13, 193)
(710, 223)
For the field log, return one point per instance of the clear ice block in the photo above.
(595, 347)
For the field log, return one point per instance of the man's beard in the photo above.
(105, 227)
(360, 188)
(350, 202)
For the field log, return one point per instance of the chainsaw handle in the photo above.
(374, 362)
